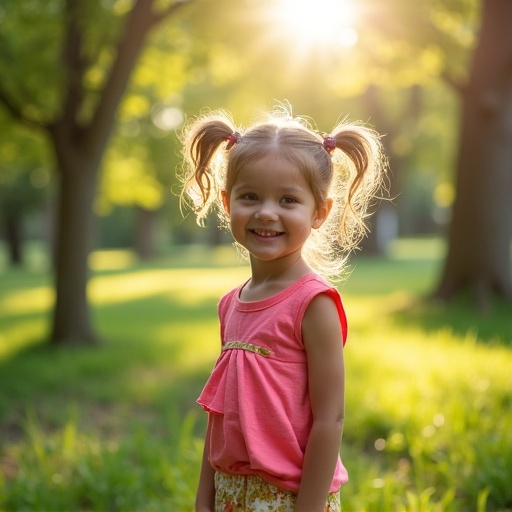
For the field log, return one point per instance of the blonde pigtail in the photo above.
(365, 169)
(205, 164)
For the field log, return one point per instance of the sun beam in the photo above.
(319, 22)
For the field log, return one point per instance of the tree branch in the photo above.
(458, 86)
(169, 11)
(138, 24)
(15, 110)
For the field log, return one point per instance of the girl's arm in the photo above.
(322, 337)
(205, 497)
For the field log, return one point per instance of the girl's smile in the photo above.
(266, 234)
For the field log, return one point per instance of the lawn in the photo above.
(115, 427)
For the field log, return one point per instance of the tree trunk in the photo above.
(384, 224)
(478, 258)
(14, 236)
(144, 233)
(74, 235)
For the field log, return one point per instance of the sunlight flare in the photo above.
(319, 22)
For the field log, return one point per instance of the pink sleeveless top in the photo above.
(257, 394)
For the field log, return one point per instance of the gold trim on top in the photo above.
(262, 351)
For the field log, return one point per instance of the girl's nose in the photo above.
(266, 213)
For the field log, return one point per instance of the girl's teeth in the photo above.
(265, 233)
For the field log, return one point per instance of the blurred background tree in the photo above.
(69, 64)
(25, 180)
(402, 66)
(478, 256)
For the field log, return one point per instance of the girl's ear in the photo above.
(322, 213)
(225, 201)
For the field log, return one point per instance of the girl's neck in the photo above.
(269, 278)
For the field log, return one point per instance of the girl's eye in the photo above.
(288, 200)
(250, 197)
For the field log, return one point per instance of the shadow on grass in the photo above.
(155, 356)
(458, 317)
(403, 287)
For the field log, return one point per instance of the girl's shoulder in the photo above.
(230, 295)
(314, 285)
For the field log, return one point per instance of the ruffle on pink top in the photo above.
(257, 393)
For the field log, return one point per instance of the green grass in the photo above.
(115, 427)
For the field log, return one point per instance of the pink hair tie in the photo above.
(233, 139)
(329, 144)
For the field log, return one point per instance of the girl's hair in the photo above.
(215, 150)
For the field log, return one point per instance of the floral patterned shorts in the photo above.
(252, 494)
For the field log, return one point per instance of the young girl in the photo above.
(295, 203)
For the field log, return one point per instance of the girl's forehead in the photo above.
(270, 173)
(273, 165)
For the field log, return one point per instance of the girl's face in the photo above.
(272, 209)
